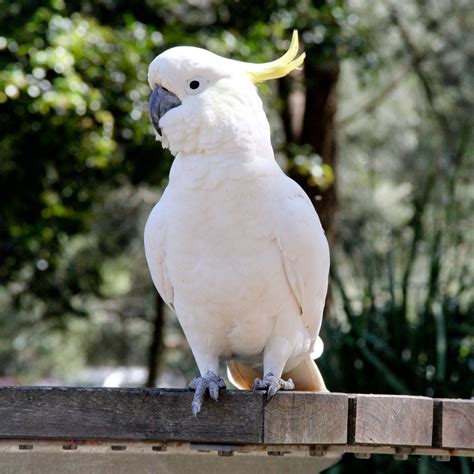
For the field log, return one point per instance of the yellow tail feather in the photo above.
(306, 376)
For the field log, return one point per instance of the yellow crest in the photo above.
(278, 68)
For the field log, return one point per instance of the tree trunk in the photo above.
(319, 131)
(156, 346)
(316, 129)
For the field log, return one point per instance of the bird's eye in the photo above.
(196, 85)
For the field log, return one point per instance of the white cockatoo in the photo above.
(234, 246)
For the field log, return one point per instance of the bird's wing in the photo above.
(305, 254)
(155, 236)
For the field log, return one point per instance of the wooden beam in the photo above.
(454, 424)
(128, 414)
(391, 420)
(161, 463)
(308, 418)
(296, 423)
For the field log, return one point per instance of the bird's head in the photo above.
(202, 102)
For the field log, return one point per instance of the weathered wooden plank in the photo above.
(126, 463)
(246, 418)
(131, 414)
(455, 424)
(308, 418)
(392, 420)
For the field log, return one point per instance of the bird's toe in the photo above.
(214, 391)
(272, 384)
(211, 383)
(258, 384)
(273, 388)
(196, 406)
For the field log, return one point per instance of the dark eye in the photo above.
(196, 84)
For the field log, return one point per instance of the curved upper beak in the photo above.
(161, 100)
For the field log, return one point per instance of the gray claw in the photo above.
(272, 384)
(211, 383)
(272, 390)
(196, 407)
(213, 391)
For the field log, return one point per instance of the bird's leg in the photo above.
(206, 352)
(210, 382)
(274, 359)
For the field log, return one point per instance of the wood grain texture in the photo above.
(317, 420)
(455, 424)
(128, 414)
(124, 463)
(392, 420)
(306, 418)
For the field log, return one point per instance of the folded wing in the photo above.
(305, 255)
(155, 235)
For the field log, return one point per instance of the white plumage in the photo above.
(233, 245)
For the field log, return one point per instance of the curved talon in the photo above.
(214, 391)
(272, 384)
(195, 407)
(211, 383)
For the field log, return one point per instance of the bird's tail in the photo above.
(306, 376)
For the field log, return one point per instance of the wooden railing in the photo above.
(293, 423)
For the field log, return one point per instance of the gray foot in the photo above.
(210, 382)
(272, 384)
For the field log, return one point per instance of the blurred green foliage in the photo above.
(80, 171)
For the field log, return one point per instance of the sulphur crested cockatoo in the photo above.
(234, 246)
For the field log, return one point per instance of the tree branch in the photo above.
(372, 103)
(156, 346)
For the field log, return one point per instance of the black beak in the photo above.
(161, 100)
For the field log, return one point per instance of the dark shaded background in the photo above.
(377, 128)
